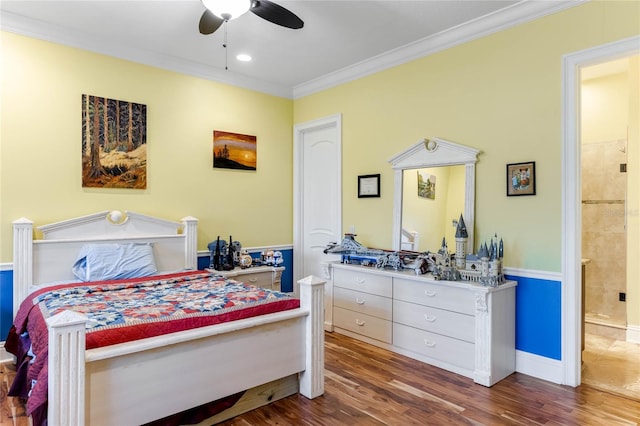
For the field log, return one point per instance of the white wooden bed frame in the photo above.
(276, 355)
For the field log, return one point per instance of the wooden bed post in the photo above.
(22, 260)
(312, 298)
(66, 369)
(191, 249)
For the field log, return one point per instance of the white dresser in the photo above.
(268, 277)
(461, 327)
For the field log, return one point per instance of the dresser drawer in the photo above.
(435, 295)
(358, 301)
(259, 279)
(363, 281)
(447, 323)
(453, 351)
(366, 325)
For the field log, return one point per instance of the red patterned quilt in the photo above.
(125, 310)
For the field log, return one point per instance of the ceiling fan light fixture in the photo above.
(227, 9)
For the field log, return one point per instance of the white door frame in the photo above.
(298, 184)
(571, 197)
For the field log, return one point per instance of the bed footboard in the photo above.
(86, 385)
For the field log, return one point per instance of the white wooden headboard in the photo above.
(50, 259)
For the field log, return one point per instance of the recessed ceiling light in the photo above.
(243, 57)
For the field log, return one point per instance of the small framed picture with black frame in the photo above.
(369, 186)
(521, 179)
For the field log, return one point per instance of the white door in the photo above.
(317, 189)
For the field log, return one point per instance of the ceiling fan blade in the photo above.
(209, 22)
(276, 14)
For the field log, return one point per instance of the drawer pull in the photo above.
(359, 322)
(359, 301)
(429, 293)
(429, 318)
(253, 280)
(429, 343)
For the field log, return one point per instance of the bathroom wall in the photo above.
(603, 229)
(605, 147)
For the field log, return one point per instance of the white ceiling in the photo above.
(341, 39)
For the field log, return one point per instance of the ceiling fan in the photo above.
(220, 11)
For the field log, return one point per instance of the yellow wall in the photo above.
(500, 94)
(40, 151)
(605, 108)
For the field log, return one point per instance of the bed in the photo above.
(253, 359)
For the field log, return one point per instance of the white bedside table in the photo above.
(268, 277)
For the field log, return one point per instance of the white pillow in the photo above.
(110, 261)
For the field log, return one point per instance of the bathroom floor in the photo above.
(612, 365)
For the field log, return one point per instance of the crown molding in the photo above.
(524, 11)
(519, 13)
(34, 28)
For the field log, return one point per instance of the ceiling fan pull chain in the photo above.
(224, 44)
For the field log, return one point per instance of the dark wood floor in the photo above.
(366, 385)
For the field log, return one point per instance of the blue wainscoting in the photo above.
(6, 302)
(538, 316)
(538, 308)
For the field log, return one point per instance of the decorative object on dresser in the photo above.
(271, 257)
(485, 267)
(351, 251)
(224, 257)
(463, 327)
(119, 383)
(245, 260)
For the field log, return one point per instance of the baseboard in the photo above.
(539, 366)
(530, 364)
(633, 333)
(4, 355)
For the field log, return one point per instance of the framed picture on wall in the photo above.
(234, 151)
(426, 185)
(114, 143)
(368, 186)
(521, 179)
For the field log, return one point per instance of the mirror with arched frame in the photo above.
(451, 167)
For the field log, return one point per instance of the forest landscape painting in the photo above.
(234, 151)
(426, 185)
(114, 143)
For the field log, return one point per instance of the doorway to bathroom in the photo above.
(610, 161)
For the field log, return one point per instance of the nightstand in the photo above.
(261, 276)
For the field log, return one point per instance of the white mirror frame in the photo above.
(435, 152)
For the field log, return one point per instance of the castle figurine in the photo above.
(485, 267)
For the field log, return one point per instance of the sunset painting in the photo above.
(234, 151)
